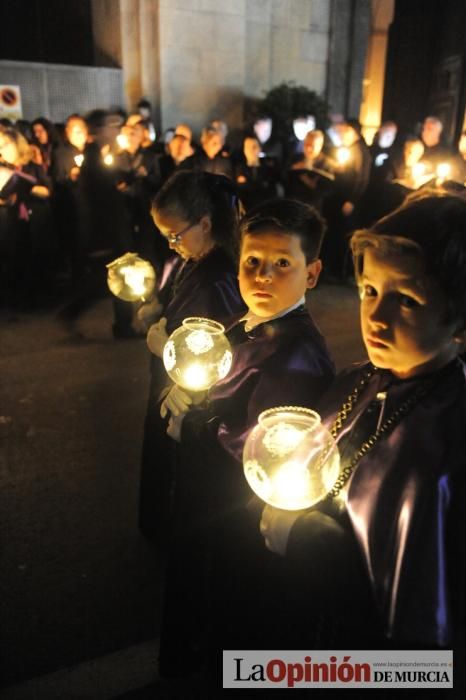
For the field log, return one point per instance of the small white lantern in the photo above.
(131, 278)
(291, 461)
(197, 354)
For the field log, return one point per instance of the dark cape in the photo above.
(404, 510)
(280, 362)
(207, 288)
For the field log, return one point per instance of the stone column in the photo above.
(374, 76)
(106, 32)
(131, 51)
(150, 55)
(349, 31)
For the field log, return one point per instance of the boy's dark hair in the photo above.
(190, 195)
(290, 217)
(432, 226)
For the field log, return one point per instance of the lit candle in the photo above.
(79, 160)
(108, 159)
(418, 170)
(443, 171)
(122, 141)
(343, 155)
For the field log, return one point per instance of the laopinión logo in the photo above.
(338, 669)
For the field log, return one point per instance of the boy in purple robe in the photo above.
(279, 356)
(381, 561)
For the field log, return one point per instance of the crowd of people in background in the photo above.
(74, 196)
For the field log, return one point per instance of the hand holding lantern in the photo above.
(290, 459)
(197, 354)
(131, 278)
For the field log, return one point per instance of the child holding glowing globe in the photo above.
(279, 357)
(197, 214)
(383, 562)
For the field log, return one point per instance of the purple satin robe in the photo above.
(405, 503)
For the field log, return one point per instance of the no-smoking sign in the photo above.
(10, 102)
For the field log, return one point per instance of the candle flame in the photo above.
(343, 155)
(108, 159)
(443, 170)
(418, 170)
(195, 377)
(79, 159)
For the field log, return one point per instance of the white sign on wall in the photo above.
(10, 102)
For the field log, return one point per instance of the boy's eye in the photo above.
(251, 260)
(408, 302)
(366, 290)
(282, 262)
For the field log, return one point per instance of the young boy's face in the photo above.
(273, 273)
(402, 312)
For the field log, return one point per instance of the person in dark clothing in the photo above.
(342, 208)
(140, 178)
(105, 231)
(435, 151)
(211, 158)
(26, 232)
(279, 358)
(67, 160)
(196, 213)
(178, 157)
(45, 139)
(384, 144)
(255, 177)
(311, 177)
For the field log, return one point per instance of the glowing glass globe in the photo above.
(291, 461)
(197, 355)
(131, 278)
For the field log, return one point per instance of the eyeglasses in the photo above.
(175, 238)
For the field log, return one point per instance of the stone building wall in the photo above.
(215, 52)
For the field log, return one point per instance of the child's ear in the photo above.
(206, 224)
(313, 272)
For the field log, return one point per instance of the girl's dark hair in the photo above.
(190, 195)
(431, 226)
(49, 128)
(287, 216)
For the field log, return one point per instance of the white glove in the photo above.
(148, 313)
(174, 427)
(179, 401)
(275, 527)
(157, 337)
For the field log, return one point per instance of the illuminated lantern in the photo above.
(131, 278)
(197, 355)
(291, 461)
(343, 155)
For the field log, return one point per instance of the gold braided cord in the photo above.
(386, 427)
